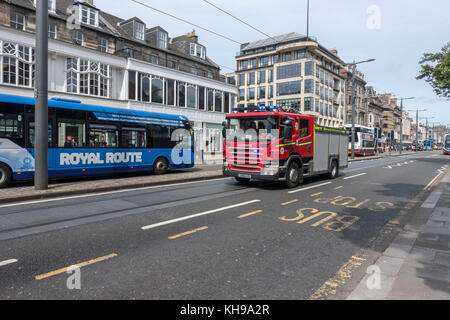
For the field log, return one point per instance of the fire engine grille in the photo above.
(246, 157)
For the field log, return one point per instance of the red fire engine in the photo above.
(267, 143)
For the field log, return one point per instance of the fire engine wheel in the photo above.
(293, 175)
(334, 170)
(5, 175)
(242, 180)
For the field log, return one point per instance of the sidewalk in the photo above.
(416, 266)
(61, 188)
(382, 155)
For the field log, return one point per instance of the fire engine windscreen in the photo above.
(253, 129)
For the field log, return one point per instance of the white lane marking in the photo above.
(6, 262)
(198, 215)
(308, 188)
(103, 193)
(358, 175)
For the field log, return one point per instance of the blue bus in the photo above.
(428, 145)
(446, 148)
(90, 140)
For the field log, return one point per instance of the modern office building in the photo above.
(293, 72)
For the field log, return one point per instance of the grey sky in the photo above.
(408, 28)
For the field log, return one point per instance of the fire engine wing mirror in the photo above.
(224, 129)
(287, 124)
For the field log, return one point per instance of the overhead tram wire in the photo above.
(185, 21)
(240, 20)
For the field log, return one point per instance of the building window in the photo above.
(286, 57)
(264, 61)
(175, 64)
(290, 104)
(251, 94)
(287, 88)
(241, 79)
(17, 21)
(270, 75)
(170, 92)
(162, 39)
(275, 58)
(253, 63)
(89, 15)
(289, 71)
(157, 90)
(139, 30)
(17, 64)
(251, 78)
(197, 50)
(226, 103)
(261, 92)
(77, 37)
(218, 101)
(270, 92)
(309, 68)
(241, 94)
(102, 45)
(210, 100)
(309, 86)
(193, 70)
(309, 104)
(52, 31)
(201, 98)
(154, 58)
(300, 54)
(243, 65)
(181, 94)
(262, 76)
(87, 77)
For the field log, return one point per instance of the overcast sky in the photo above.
(395, 32)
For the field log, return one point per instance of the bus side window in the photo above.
(304, 128)
(31, 134)
(71, 134)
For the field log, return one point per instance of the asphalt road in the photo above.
(215, 239)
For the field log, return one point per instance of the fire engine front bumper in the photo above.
(279, 175)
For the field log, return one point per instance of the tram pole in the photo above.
(41, 97)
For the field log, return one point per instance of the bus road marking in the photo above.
(316, 194)
(249, 214)
(163, 223)
(79, 265)
(308, 188)
(6, 262)
(187, 233)
(337, 188)
(357, 175)
(289, 202)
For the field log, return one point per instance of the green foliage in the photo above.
(436, 71)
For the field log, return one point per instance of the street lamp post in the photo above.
(354, 100)
(401, 122)
(41, 96)
(417, 126)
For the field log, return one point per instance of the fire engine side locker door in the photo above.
(321, 151)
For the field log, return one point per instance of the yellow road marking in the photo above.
(337, 188)
(79, 265)
(340, 278)
(249, 214)
(316, 194)
(289, 202)
(187, 233)
(432, 181)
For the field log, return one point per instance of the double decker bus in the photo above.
(364, 140)
(447, 144)
(428, 145)
(89, 140)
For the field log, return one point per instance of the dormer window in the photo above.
(162, 39)
(197, 50)
(139, 30)
(88, 15)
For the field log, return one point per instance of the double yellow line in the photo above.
(432, 181)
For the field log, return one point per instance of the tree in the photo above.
(436, 71)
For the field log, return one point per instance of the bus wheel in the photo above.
(292, 175)
(161, 166)
(334, 170)
(5, 175)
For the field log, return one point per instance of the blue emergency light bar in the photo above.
(257, 108)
